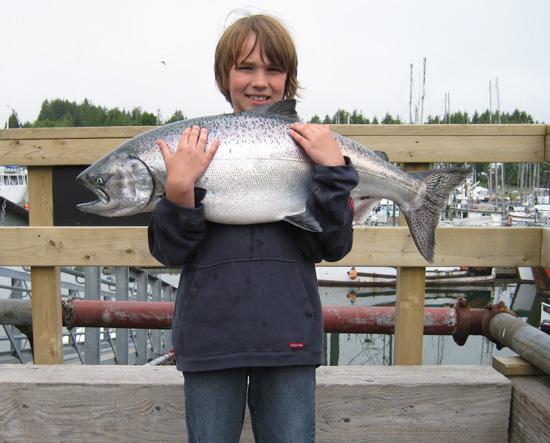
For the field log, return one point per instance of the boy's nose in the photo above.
(260, 79)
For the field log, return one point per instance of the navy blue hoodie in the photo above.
(248, 294)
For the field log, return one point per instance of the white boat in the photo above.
(545, 317)
(14, 184)
(386, 276)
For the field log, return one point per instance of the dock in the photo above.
(55, 403)
(48, 401)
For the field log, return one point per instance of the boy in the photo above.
(248, 318)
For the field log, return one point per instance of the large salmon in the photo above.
(260, 175)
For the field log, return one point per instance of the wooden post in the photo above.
(409, 305)
(45, 280)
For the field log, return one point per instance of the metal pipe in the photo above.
(16, 312)
(118, 314)
(381, 320)
(459, 321)
(530, 343)
(163, 358)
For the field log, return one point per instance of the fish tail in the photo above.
(424, 220)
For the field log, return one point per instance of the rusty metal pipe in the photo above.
(529, 342)
(460, 321)
(381, 320)
(118, 314)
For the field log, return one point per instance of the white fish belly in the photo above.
(240, 191)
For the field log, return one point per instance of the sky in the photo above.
(353, 55)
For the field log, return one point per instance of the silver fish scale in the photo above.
(259, 174)
(380, 179)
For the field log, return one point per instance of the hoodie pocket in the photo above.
(246, 306)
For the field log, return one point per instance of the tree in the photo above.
(177, 116)
(148, 119)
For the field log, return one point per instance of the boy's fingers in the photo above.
(164, 149)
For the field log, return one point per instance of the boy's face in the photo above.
(255, 81)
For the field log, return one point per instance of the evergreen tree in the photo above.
(177, 116)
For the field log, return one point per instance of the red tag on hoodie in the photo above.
(294, 345)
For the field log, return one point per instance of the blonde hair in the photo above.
(275, 43)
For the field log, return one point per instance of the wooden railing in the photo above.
(45, 247)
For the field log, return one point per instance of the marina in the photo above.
(395, 388)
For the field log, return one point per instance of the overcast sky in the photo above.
(352, 54)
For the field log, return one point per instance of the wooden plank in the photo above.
(530, 412)
(409, 303)
(412, 404)
(347, 130)
(45, 281)
(355, 404)
(62, 133)
(399, 149)
(402, 143)
(40, 196)
(437, 130)
(77, 246)
(409, 315)
(393, 246)
(514, 366)
(545, 248)
(58, 152)
(47, 320)
(457, 149)
(373, 246)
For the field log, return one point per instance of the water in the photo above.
(377, 349)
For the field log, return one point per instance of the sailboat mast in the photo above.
(423, 93)
(411, 97)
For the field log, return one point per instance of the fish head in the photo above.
(122, 183)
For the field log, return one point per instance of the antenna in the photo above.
(490, 103)
(447, 100)
(411, 97)
(498, 100)
(423, 93)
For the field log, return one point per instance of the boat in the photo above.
(14, 184)
(386, 276)
(545, 317)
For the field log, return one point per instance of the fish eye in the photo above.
(100, 181)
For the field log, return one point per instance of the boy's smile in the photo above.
(255, 81)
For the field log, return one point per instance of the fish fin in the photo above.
(283, 109)
(362, 208)
(304, 221)
(382, 155)
(424, 220)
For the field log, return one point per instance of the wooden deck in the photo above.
(354, 404)
(44, 246)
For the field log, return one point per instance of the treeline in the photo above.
(63, 113)
(343, 117)
(512, 171)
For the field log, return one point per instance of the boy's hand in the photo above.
(186, 164)
(318, 142)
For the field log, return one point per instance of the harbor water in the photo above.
(377, 349)
(340, 349)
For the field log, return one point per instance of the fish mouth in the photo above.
(102, 198)
(101, 204)
(103, 201)
(121, 190)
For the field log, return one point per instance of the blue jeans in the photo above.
(281, 402)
